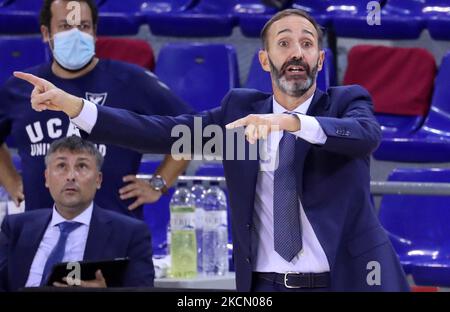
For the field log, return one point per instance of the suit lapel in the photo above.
(318, 104)
(99, 232)
(264, 106)
(302, 147)
(249, 168)
(30, 239)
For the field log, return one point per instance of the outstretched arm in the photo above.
(145, 134)
(46, 96)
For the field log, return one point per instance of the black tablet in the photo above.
(113, 271)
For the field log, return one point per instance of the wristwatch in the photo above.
(158, 184)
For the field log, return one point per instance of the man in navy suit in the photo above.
(75, 229)
(308, 223)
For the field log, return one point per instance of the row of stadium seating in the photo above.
(206, 74)
(411, 101)
(411, 104)
(418, 227)
(400, 19)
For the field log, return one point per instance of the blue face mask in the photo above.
(73, 49)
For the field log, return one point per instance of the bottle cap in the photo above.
(214, 183)
(182, 184)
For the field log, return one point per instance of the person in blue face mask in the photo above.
(73, 49)
(75, 67)
(73, 46)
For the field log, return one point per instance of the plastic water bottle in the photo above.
(168, 238)
(215, 232)
(199, 191)
(183, 244)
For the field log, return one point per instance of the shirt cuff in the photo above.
(310, 130)
(87, 118)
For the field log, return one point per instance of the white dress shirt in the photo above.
(87, 118)
(75, 245)
(312, 258)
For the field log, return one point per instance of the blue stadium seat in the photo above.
(131, 50)
(431, 143)
(22, 16)
(400, 19)
(394, 125)
(260, 80)
(201, 74)
(157, 215)
(418, 227)
(18, 53)
(19, 16)
(253, 14)
(316, 8)
(118, 18)
(399, 113)
(201, 18)
(166, 6)
(437, 15)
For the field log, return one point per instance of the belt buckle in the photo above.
(286, 279)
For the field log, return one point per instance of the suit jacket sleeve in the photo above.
(140, 271)
(149, 134)
(355, 132)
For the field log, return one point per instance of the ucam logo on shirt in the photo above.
(41, 133)
(97, 98)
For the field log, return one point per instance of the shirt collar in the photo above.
(302, 109)
(83, 218)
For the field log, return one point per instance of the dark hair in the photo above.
(75, 144)
(290, 12)
(46, 12)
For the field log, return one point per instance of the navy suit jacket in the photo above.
(111, 235)
(333, 183)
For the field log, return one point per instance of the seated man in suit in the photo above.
(308, 224)
(75, 229)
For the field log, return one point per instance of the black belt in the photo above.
(296, 280)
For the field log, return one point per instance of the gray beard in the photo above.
(294, 89)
